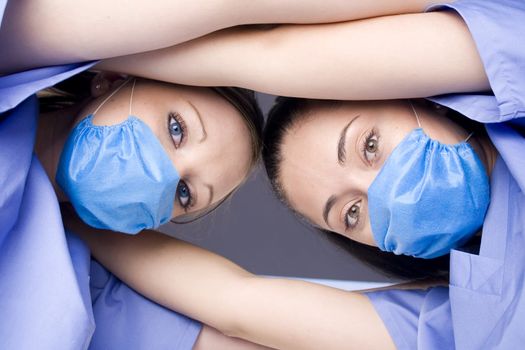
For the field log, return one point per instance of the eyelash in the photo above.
(370, 136)
(191, 199)
(180, 121)
(345, 220)
(182, 184)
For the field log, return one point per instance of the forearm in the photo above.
(389, 57)
(210, 338)
(276, 313)
(292, 314)
(315, 11)
(180, 276)
(38, 33)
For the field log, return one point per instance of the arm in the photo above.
(211, 339)
(37, 33)
(414, 55)
(275, 312)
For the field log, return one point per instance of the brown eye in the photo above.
(371, 147)
(352, 216)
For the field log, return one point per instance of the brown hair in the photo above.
(78, 88)
(282, 117)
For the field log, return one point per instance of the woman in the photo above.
(482, 308)
(44, 33)
(48, 296)
(172, 130)
(406, 178)
(145, 151)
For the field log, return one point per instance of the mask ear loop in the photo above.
(419, 123)
(132, 91)
(415, 113)
(111, 95)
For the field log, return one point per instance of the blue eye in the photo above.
(176, 128)
(183, 194)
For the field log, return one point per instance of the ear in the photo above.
(104, 82)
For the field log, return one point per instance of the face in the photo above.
(332, 155)
(203, 134)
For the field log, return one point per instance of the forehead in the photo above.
(169, 95)
(228, 140)
(310, 170)
(223, 159)
(309, 155)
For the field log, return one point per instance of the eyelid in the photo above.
(369, 134)
(184, 129)
(345, 210)
(193, 196)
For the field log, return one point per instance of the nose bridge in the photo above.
(184, 162)
(202, 162)
(360, 179)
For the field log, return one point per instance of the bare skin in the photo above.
(405, 56)
(278, 313)
(194, 151)
(332, 191)
(410, 55)
(339, 74)
(211, 339)
(33, 34)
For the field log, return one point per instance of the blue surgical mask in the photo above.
(118, 177)
(428, 198)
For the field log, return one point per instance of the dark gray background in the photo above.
(254, 230)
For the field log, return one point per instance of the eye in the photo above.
(184, 195)
(352, 216)
(371, 146)
(176, 128)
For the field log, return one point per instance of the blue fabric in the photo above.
(16, 87)
(126, 320)
(44, 287)
(118, 177)
(428, 197)
(485, 305)
(42, 303)
(45, 297)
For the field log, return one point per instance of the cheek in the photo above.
(108, 116)
(363, 234)
(366, 236)
(440, 128)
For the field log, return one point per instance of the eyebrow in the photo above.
(210, 190)
(341, 157)
(341, 150)
(327, 207)
(204, 133)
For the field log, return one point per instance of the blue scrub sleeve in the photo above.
(399, 310)
(498, 29)
(42, 299)
(414, 317)
(3, 4)
(126, 320)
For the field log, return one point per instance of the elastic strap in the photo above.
(112, 94)
(131, 98)
(415, 113)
